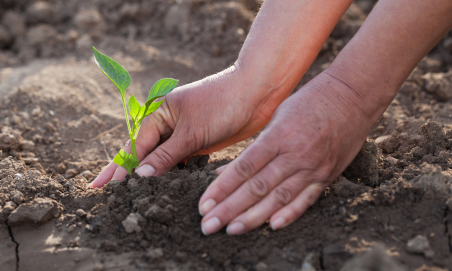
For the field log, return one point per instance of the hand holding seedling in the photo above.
(314, 134)
(121, 79)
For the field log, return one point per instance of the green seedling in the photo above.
(121, 79)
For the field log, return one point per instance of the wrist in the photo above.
(348, 98)
(370, 95)
(260, 83)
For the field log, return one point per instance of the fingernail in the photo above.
(91, 184)
(210, 226)
(145, 170)
(278, 223)
(220, 169)
(206, 206)
(235, 228)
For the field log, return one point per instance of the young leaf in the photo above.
(152, 108)
(134, 107)
(113, 70)
(162, 87)
(126, 160)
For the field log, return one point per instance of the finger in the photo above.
(297, 207)
(152, 129)
(120, 172)
(167, 155)
(107, 173)
(219, 170)
(254, 125)
(279, 197)
(249, 193)
(251, 160)
(104, 177)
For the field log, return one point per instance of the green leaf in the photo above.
(146, 112)
(113, 70)
(152, 108)
(150, 101)
(126, 160)
(162, 87)
(134, 107)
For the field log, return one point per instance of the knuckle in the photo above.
(245, 169)
(228, 211)
(150, 120)
(222, 189)
(282, 195)
(320, 176)
(146, 121)
(163, 157)
(294, 212)
(310, 199)
(313, 194)
(258, 187)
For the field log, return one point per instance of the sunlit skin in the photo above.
(311, 136)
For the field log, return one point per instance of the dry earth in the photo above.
(61, 122)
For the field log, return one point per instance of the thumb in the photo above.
(165, 157)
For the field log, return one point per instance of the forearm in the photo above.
(284, 40)
(389, 45)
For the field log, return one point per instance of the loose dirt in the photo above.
(61, 122)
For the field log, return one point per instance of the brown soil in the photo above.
(61, 122)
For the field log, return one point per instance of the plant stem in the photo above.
(127, 116)
(133, 138)
(134, 150)
(131, 131)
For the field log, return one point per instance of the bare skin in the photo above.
(323, 125)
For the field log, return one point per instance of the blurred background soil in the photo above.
(61, 121)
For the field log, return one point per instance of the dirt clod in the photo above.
(39, 210)
(89, 19)
(70, 173)
(14, 23)
(155, 253)
(375, 259)
(420, 244)
(131, 223)
(40, 12)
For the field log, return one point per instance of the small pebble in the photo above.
(80, 213)
(307, 267)
(36, 111)
(70, 173)
(88, 227)
(87, 174)
(420, 245)
(393, 160)
(381, 139)
(261, 266)
(130, 224)
(71, 228)
(155, 253)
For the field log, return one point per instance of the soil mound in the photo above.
(156, 218)
(58, 28)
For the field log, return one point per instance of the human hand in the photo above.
(199, 118)
(310, 140)
(316, 133)
(226, 108)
